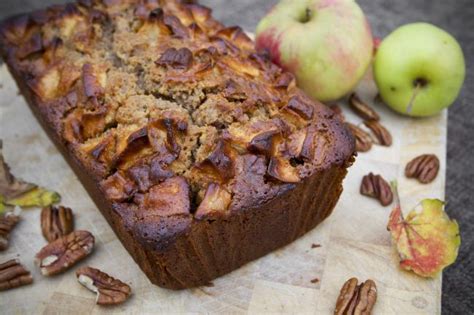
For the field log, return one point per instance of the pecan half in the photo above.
(362, 109)
(362, 138)
(7, 222)
(56, 222)
(424, 168)
(13, 274)
(356, 299)
(381, 133)
(376, 187)
(109, 290)
(64, 252)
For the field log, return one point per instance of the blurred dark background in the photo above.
(456, 17)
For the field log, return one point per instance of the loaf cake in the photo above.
(201, 154)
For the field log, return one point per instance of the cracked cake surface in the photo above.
(173, 116)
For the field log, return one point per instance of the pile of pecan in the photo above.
(66, 247)
(424, 168)
(376, 133)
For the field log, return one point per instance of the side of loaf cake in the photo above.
(201, 154)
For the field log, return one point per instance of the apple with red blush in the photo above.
(326, 44)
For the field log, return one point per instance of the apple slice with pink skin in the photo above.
(326, 44)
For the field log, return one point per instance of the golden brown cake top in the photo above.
(172, 112)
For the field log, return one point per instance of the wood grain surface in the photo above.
(354, 240)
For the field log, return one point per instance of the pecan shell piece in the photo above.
(13, 274)
(381, 133)
(8, 221)
(109, 290)
(363, 139)
(376, 187)
(424, 168)
(362, 109)
(64, 252)
(56, 222)
(356, 299)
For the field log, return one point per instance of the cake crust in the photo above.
(200, 153)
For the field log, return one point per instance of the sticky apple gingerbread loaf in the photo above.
(200, 153)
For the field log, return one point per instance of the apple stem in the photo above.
(412, 99)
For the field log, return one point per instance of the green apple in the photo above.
(326, 44)
(419, 69)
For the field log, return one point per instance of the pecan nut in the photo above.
(8, 221)
(424, 168)
(356, 299)
(376, 187)
(109, 290)
(362, 109)
(56, 222)
(64, 252)
(381, 133)
(363, 140)
(13, 274)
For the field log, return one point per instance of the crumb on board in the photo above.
(315, 245)
(315, 280)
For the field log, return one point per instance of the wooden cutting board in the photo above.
(354, 240)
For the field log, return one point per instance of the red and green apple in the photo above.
(326, 44)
